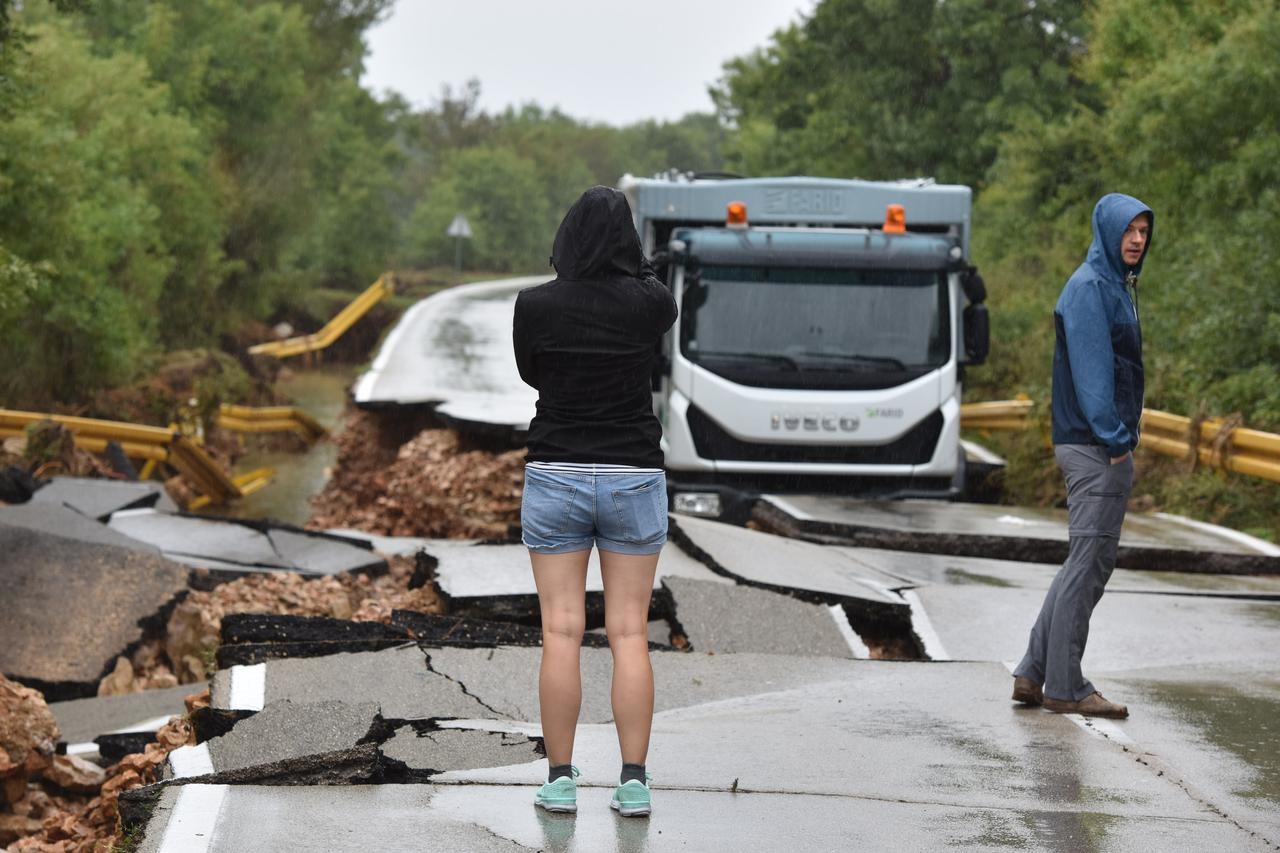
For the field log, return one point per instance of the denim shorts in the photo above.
(622, 513)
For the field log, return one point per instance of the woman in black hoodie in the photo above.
(593, 476)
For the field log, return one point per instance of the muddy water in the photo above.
(299, 476)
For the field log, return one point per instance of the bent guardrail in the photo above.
(261, 419)
(1218, 443)
(335, 328)
(155, 444)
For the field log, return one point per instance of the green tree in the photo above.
(888, 89)
(1186, 120)
(104, 190)
(503, 199)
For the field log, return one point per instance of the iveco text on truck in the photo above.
(824, 326)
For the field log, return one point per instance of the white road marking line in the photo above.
(1259, 545)
(859, 648)
(924, 628)
(189, 761)
(1100, 727)
(192, 821)
(248, 687)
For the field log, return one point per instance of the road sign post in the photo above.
(459, 230)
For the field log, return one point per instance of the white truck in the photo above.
(823, 332)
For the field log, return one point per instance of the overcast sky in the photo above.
(595, 59)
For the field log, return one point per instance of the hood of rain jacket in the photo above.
(597, 238)
(1098, 379)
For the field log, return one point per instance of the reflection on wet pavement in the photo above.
(1248, 726)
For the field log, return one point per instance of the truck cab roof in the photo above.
(806, 201)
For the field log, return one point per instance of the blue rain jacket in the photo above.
(1097, 357)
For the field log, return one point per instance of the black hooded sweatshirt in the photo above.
(587, 340)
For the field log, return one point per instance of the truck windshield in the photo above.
(816, 328)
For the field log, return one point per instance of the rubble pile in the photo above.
(28, 735)
(49, 448)
(434, 486)
(194, 627)
(75, 807)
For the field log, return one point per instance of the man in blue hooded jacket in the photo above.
(1097, 404)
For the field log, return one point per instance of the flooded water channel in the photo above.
(299, 476)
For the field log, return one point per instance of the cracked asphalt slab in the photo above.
(976, 622)
(244, 546)
(845, 762)
(1149, 540)
(74, 604)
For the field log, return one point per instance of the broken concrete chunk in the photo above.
(398, 680)
(64, 521)
(99, 498)
(1149, 541)
(780, 563)
(307, 742)
(436, 629)
(324, 554)
(742, 619)
(74, 606)
(273, 628)
(181, 536)
(81, 720)
(454, 749)
(230, 545)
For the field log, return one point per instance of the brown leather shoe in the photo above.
(1093, 705)
(1027, 691)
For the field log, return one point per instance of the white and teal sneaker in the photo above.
(631, 799)
(560, 795)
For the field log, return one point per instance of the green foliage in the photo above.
(1187, 122)
(888, 89)
(106, 187)
(500, 194)
(515, 174)
(1183, 115)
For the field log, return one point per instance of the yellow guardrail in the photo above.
(154, 444)
(1003, 414)
(271, 419)
(335, 328)
(1214, 442)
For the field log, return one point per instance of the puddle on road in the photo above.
(962, 577)
(1265, 613)
(299, 476)
(1247, 726)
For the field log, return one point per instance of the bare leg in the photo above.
(562, 585)
(628, 583)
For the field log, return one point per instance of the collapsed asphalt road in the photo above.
(426, 736)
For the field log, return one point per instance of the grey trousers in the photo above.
(1097, 494)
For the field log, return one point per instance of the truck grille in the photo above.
(914, 448)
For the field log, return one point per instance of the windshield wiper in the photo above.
(886, 360)
(775, 358)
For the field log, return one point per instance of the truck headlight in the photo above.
(706, 504)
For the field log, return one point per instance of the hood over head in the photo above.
(1111, 216)
(597, 238)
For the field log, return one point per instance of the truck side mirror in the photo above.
(977, 333)
(975, 289)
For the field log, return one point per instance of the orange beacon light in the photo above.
(895, 219)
